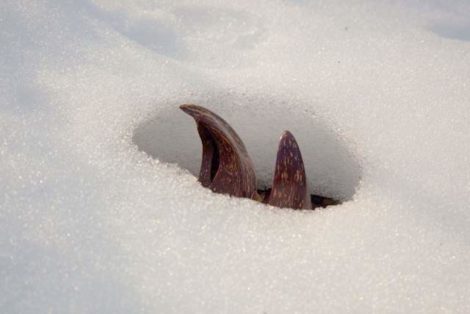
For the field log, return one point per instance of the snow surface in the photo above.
(100, 208)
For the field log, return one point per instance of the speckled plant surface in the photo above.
(100, 207)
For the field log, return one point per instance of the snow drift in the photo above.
(100, 210)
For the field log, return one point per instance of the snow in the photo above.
(100, 210)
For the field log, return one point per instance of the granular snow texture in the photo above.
(100, 208)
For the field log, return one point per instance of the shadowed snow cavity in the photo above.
(171, 136)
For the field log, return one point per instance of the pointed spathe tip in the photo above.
(288, 143)
(189, 108)
(199, 112)
(286, 134)
(287, 137)
(186, 106)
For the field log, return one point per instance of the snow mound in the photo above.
(100, 211)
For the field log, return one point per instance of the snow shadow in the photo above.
(458, 31)
(332, 170)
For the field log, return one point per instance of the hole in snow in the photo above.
(332, 171)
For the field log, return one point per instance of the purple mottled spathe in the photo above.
(227, 168)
